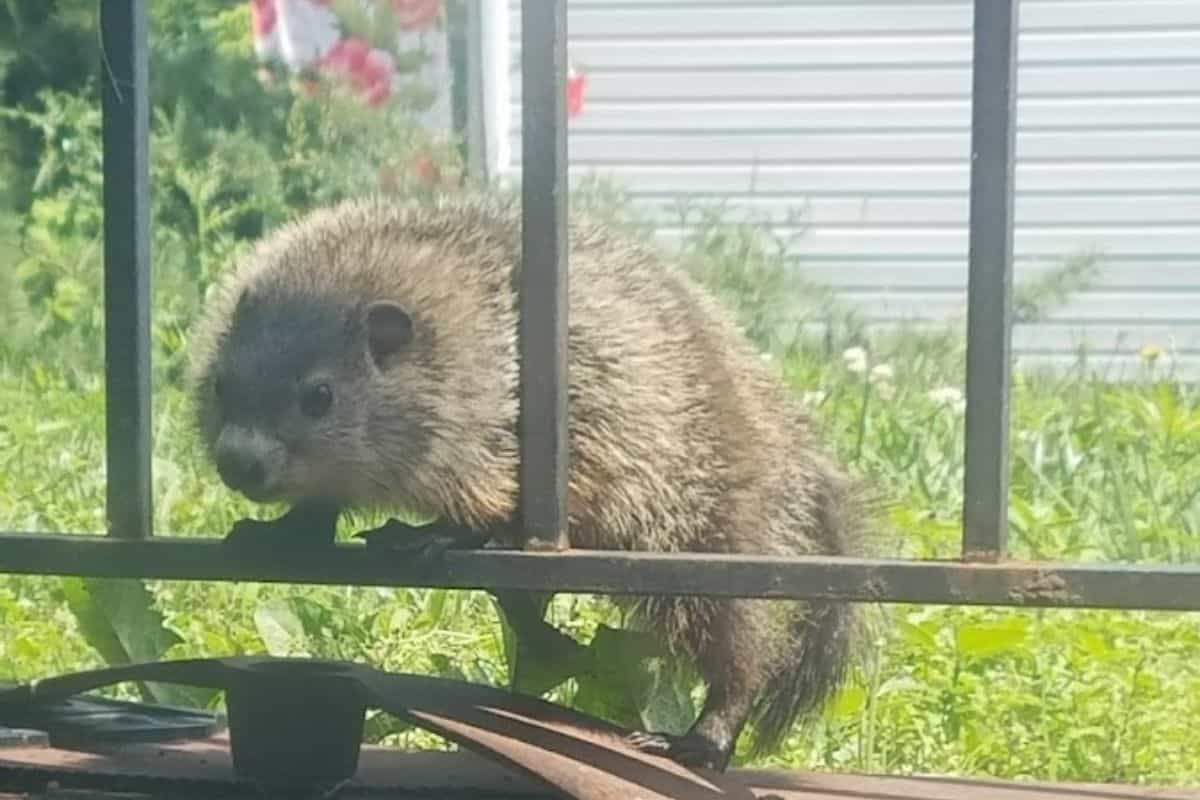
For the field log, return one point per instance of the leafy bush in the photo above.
(231, 155)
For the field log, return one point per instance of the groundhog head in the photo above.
(350, 360)
(287, 413)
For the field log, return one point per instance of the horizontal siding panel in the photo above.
(912, 81)
(801, 19)
(916, 242)
(1049, 337)
(1119, 274)
(795, 116)
(1159, 178)
(853, 117)
(1040, 210)
(1095, 307)
(928, 148)
(636, 18)
(688, 52)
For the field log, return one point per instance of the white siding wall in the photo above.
(858, 112)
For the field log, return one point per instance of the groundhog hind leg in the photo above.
(730, 643)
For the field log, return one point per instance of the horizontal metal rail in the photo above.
(1040, 584)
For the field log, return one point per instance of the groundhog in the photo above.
(365, 356)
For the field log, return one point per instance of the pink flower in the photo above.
(264, 15)
(576, 87)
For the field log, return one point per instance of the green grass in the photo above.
(1100, 472)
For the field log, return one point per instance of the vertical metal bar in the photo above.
(125, 103)
(476, 140)
(543, 280)
(989, 304)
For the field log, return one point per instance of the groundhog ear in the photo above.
(389, 329)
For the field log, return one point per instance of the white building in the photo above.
(858, 113)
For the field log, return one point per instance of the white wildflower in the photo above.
(856, 359)
(950, 397)
(882, 373)
(884, 390)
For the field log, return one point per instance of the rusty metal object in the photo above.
(92, 719)
(1044, 586)
(196, 769)
(296, 723)
(22, 738)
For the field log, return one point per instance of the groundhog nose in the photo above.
(241, 471)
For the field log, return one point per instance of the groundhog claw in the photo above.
(690, 749)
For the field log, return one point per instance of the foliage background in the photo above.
(1101, 470)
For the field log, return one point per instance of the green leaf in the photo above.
(669, 707)
(534, 673)
(435, 607)
(1095, 645)
(314, 618)
(445, 668)
(849, 702)
(119, 620)
(917, 635)
(535, 670)
(280, 628)
(987, 639)
(621, 680)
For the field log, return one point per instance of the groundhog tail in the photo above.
(823, 638)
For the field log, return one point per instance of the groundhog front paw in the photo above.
(422, 542)
(250, 533)
(691, 750)
(304, 525)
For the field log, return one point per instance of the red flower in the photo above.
(264, 16)
(349, 54)
(426, 170)
(370, 71)
(378, 71)
(415, 15)
(576, 87)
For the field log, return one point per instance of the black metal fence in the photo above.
(982, 575)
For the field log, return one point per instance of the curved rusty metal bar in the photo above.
(319, 707)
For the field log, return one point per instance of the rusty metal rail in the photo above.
(869, 580)
(983, 576)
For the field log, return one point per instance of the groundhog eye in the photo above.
(316, 400)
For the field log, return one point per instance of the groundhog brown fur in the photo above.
(365, 357)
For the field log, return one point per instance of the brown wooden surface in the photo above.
(434, 774)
